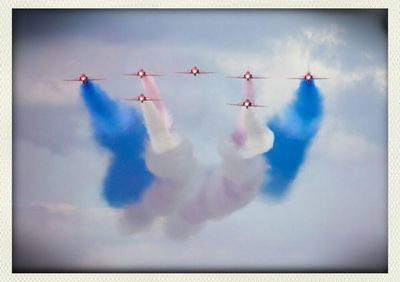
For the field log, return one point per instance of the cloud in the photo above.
(56, 236)
(68, 124)
(40, 171)
(56, 208)
(329, 36)
(381, 80)
(342, 146)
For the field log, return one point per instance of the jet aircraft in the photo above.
(195, 71)
(247, 103)
(142, 98)
(83, 78)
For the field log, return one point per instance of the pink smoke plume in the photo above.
(219, 192)
(151, 90)
(239, 135)
(174, 170)
(249, 90)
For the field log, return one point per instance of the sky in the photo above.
(333, 214)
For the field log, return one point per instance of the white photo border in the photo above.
(393, 7)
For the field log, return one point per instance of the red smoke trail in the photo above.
(151, 90)
(249, 90)
(239, 135)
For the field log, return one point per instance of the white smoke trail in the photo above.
(232, 186)
(161, 138)
(259, 139)
(151, 90)
(171, 160)
(174, 169)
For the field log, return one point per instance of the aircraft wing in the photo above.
(75, 79)
(235, 77)
(230, 104)
(260, 77)
(206, 72)
(147, 99)
(261, 106)
(320, 77)
(183, 72)
(153, 74)
(131, 74)
(295, 77)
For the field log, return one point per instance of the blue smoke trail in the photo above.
(121, 131)
(293, 132)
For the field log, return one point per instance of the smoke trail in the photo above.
(186, 195)
(294, 131)
(120, 130)
(249, 90)
(174, 170)
(258, 138)
(219, 193)
(170, 158)
(231, 186)
(239, 136)
(151, 89)
(160, 137)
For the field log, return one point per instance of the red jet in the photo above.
(83, 78)
(308, 77)
(141, 98)
(195, 71)
(141, 73)
(248, 75)
(247, 103)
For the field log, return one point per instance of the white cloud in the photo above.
(46, 177)
(338, 145)
(324, 35)
(381, 80)
(56, 208)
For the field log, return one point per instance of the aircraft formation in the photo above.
(308, 77)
